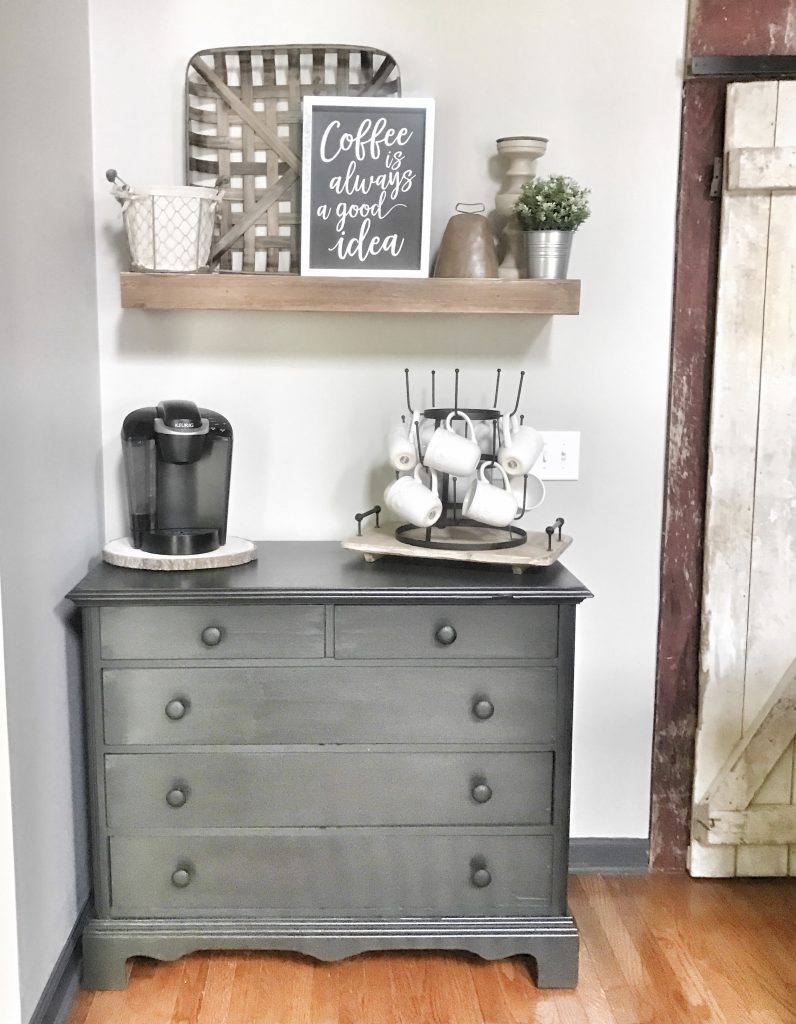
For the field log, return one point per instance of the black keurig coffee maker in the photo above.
(177, 460)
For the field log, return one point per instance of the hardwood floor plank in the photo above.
(569, 1009)
(774, 905)
(454, 999)
(378, 1002)
(190, 994)
(246, 986)
(285, 993)
(412, 981)
(365, 986)
(683, 947)
(750, 946)
(151, 994)
(81, 1007)
(673, 985)
(590, 992)
(748, 980)
(504, 989)
(654, 950)
(218, 987)
(618, 968)
(324, 999)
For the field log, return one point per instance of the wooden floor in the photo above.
(654, 950)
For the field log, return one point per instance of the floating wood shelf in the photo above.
(347, 295)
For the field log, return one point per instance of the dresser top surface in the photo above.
(322, 571)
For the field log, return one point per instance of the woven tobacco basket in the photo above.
(243, 123)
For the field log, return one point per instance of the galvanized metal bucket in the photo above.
(547, 253)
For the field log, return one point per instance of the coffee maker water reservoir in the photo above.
(177, 461)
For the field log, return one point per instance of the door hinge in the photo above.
(717, 180)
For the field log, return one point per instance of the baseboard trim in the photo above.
(609, 856)
(59, 993)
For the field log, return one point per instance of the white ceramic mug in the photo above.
(487, 436)
(402, 445)
(410, 499)
(521, 446)
(449, 452)
(486, 503)
(427, 429)
(533, 490)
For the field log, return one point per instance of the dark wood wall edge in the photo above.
(677, 675)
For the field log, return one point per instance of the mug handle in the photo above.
(530, 508)
(413, 434)
(503, 473)
(505, 427)
(463, 416)
(432, 478)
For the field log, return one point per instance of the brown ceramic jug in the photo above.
(467, 248)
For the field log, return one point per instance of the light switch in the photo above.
(560, 458)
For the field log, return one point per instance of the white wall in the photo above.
(10, 1008)
(601, 78)
(50, 469)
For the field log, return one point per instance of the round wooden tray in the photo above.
(235, 552)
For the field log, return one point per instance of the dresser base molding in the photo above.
(551, 941)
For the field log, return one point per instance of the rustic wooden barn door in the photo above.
(744, 819)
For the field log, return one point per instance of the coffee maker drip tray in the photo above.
(236, 551)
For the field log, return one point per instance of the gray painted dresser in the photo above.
(317, 754)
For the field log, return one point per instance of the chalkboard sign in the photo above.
(366, 192)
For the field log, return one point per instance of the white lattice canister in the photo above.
(169, 229)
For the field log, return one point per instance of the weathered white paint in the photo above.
(729, 512)
(782, 278)
(753, 829)
(772, 597)
(760, 749)
(761, 169)
(749, 619)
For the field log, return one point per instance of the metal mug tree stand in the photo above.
(453, 532)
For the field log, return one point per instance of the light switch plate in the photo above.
(560, 459)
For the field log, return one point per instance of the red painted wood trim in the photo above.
(730, 27)
(683, 528)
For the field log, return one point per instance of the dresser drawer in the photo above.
(332, 871)
(446, 631)
(329, 704)
(210, 631)
(229, 789)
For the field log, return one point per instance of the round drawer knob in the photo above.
(177, 797)
(176, 709)
(211, 636)
(446, 635)
(481, 878)
(181, 878)
(481, 793)
(483, 709)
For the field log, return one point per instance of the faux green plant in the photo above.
(554, 203)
